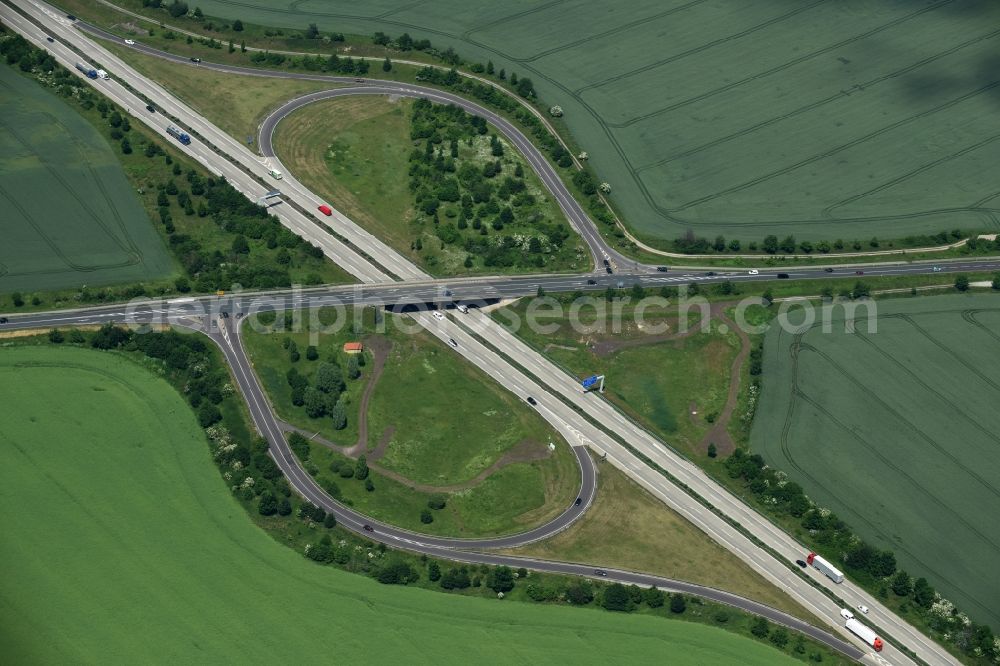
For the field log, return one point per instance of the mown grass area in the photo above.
(513, 499)
(447, 421)
(627, 528)
(353, 152)
(359, 153)
(152, 553)
(675, 387)
(914, 400)
(434, 422)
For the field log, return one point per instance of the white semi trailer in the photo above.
(864, 633)
(831, 572)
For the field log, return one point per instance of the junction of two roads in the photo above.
(586, 421)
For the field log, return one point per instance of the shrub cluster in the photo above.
(488, 210)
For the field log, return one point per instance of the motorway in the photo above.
(526, 372)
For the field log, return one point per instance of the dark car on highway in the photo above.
(195, 59)
(801, 563)
(828, 270)
(608, 269)
(369, 528)
(532, 401)
(859, 272)
(782, 276)
(3, 320)
(662, 269)
(578, 502)
(151, 108)
(591, 281)
(600, 572)
(49, 39)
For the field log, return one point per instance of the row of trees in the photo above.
(261, 249)
(870, 565)
(691, 244)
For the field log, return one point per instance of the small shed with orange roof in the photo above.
(353, 347)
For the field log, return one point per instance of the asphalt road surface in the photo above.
(500, 354)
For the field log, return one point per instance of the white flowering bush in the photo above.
(605, 188)
(248, 482)
(556, 111)
(942, 608)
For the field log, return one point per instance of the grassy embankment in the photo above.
(147, 538)
(627, 528)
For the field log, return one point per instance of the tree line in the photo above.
(875, 568)
(689, 243)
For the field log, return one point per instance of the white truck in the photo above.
(101, 74)
(275, 174)
(864, 633)
(830, 571)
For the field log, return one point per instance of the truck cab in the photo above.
(275, 174)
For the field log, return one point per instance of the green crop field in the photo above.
(69, 215)
(897, 432)
(133, 550)
(825, 120)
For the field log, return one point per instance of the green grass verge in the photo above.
(627, 528)
(237, 104)
(148, 555)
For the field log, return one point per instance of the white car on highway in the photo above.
(438, 315)
(753, 271)
(130, 42)
(863, 608)
(846, 614)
